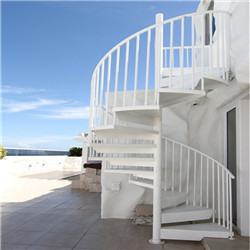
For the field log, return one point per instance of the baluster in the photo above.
(195, 165)
(211, 40)
(126, 73)
(101, 94)
(116, 78)
(188, 167)
(213, 205)
(218, 179)
(171, 53)
(223, 198)
(165, 59)
(182, 50)
(108, 87)
(230, 204)
(223, 45)
(193, 63)
(136, 67)
(180, 168)
(147, 67)
(202, 51)
(92, 106)
(207, 182)
(227, 202)
(201, 181)
(227, 47)
(97, 94)
(166, 162)
(218, 50)
(173, 161)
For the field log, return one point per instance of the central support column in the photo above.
(157, 124)
(157, 187)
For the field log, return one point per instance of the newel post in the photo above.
(158, 49)
(157, 167)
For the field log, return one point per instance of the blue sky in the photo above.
(49, 52)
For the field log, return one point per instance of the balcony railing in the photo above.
(176, 53)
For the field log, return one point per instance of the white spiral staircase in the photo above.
(129, 88)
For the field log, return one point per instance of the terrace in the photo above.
(51, 215)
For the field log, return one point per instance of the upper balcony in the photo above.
(161, 65)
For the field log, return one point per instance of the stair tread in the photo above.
(168, 194)
(198, 227)
(145, 182)
(120, 128)
(123, 159)
(128, 171)
(185, 208)
(123, 145)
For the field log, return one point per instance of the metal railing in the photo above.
(207, 182)
(130, 74)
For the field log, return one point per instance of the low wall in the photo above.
(18, 164)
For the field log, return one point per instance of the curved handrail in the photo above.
(205, 182)
(205, 155)
(135, 64)
(152, 27)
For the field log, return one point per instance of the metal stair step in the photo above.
(142, 182)
(194, 232)
(127, 171)
(119, 131)
(172, 199)
(186, 213)
(124, 148)
(138, 114)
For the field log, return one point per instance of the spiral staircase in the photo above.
(170, 62)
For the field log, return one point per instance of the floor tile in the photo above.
(59, 240)
(21, 237)
(14, 247)
(33, 247)
(68, 227)
(94, 241)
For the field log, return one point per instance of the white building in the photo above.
(169, 119)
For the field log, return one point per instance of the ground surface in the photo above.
(40, 211)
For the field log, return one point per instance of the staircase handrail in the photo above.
(152, 27)
(106, 75)
(203, 154)
(207, 182)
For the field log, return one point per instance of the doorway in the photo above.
(231, 158)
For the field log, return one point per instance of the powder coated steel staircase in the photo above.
(130, 86)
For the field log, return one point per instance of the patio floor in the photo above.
(40, 211)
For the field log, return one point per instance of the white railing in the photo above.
(187, 48)
(207, 182)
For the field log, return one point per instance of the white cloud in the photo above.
(18, 90)
(13, 107)
(68, 113)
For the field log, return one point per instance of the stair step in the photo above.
(194, 232)
(186, 213)
(129, 161)
(171, 96)
(124, 148)
(142, 182)
(172, 199)
(119, 131)
(149, 176)
(128, 171)
(138, 114)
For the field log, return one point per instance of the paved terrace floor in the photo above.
(40, 211)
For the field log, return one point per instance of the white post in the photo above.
(157, 167)
(158, 51)
(157, 188)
